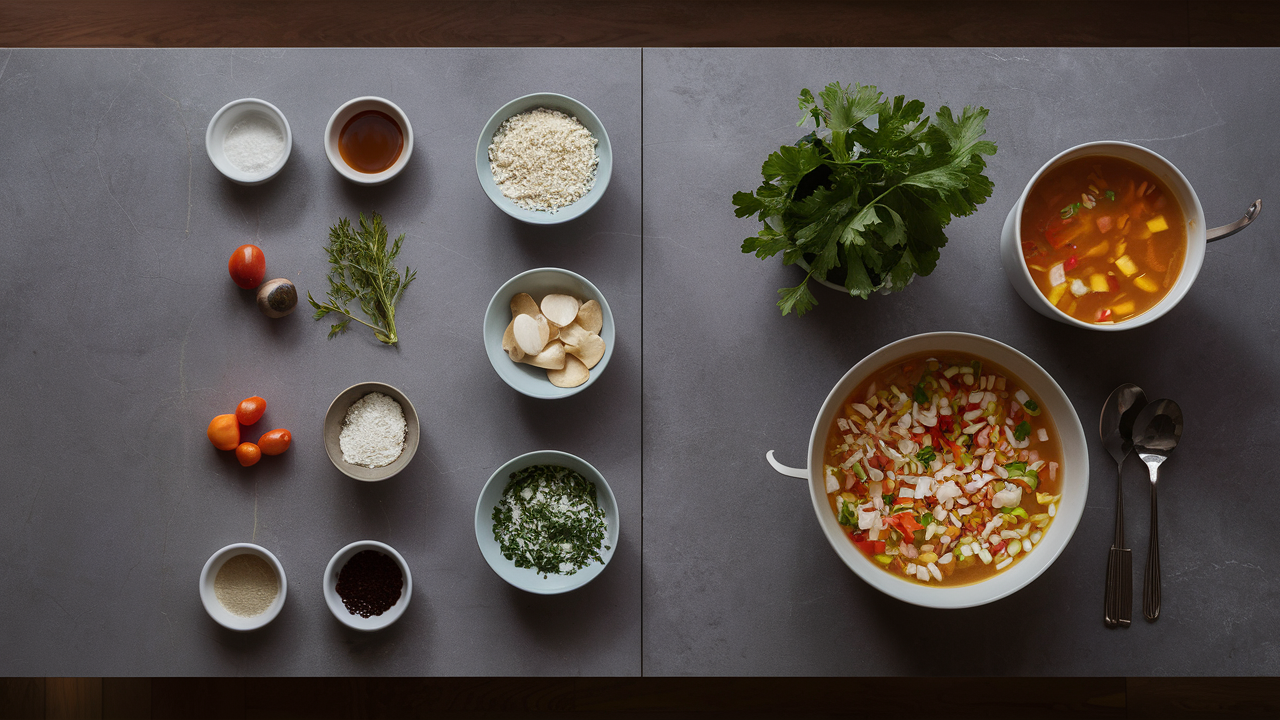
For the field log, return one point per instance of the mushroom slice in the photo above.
(560, 309)
(523, 304)
(573, 334)
(509, 345)
(590, 316)
(573, 374)
(531, 334)
(589, 351)
(551, 358)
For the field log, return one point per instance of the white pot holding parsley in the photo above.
(860, 203)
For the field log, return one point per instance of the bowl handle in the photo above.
(801, 473)
(1228, 230)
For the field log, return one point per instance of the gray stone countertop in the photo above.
(125, 336)
(738, 576)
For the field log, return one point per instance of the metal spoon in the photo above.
(1116, 429)
(1159, 426)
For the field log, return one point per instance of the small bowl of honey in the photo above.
(368, 140)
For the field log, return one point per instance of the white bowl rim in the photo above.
(482, 517)
(233, 173)
(542, 217)
(555, 393)
(351, 173)
(211, 602)
(945, 597)
(340, 611)
(1171, 298)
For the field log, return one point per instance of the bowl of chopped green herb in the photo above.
(547, 522)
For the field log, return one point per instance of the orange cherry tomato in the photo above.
(224, 432)
(275, 442)
(250, 410)
(247, 266)
(248, 453)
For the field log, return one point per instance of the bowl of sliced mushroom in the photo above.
(548, 333)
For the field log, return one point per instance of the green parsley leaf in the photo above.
(921, 395)
(1111, 195)
(1031, 405)
(1021, 432)
(865, 208)
(887, 498)
(926, 455)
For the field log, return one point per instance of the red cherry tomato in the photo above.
(248, 454)
(247, 266)
(275, 442)
(250, 410)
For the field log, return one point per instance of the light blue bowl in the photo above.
(568, 106)
(527, 379)
(528, 579)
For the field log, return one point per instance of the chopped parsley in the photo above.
(548, 520)
(1021, 432)
(926, 455)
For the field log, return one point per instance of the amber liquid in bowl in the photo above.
(371, 141)
(1103, 238)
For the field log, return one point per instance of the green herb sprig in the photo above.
(872, 202)
(362, 268)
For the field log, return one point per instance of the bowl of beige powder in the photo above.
(371, 431)
(544, 158)
(243, 586)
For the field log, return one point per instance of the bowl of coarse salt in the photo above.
(544, 158)
(371, 431)
(248, 141)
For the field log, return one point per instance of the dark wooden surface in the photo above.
(385, 23)
(667, 698)
(294, 23)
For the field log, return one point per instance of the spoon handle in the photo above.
(1118, 602)
(1151, 583)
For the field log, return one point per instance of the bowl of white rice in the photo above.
(371, 431)
(544, 158)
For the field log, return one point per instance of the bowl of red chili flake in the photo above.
(367, 585)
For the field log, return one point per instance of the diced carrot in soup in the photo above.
(1072, 211)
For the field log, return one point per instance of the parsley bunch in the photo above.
(862, 206)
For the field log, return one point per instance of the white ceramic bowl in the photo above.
(225, 119)
(337, 414)
(1074, 472)
(334, 601)
(570, 107)
(1015, 266)
(220, 614)
(527, 379)
(340, 118)
(528, 579)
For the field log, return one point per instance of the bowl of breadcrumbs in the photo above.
(544, 158)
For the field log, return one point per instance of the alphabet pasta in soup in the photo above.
(1103, 238)
(943, 469)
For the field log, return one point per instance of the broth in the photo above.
(1103, 238)
(908, 476)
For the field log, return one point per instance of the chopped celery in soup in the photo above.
(943, 470)
(1103, 238)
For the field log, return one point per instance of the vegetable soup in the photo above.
(1104, 239)
(943, 470)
